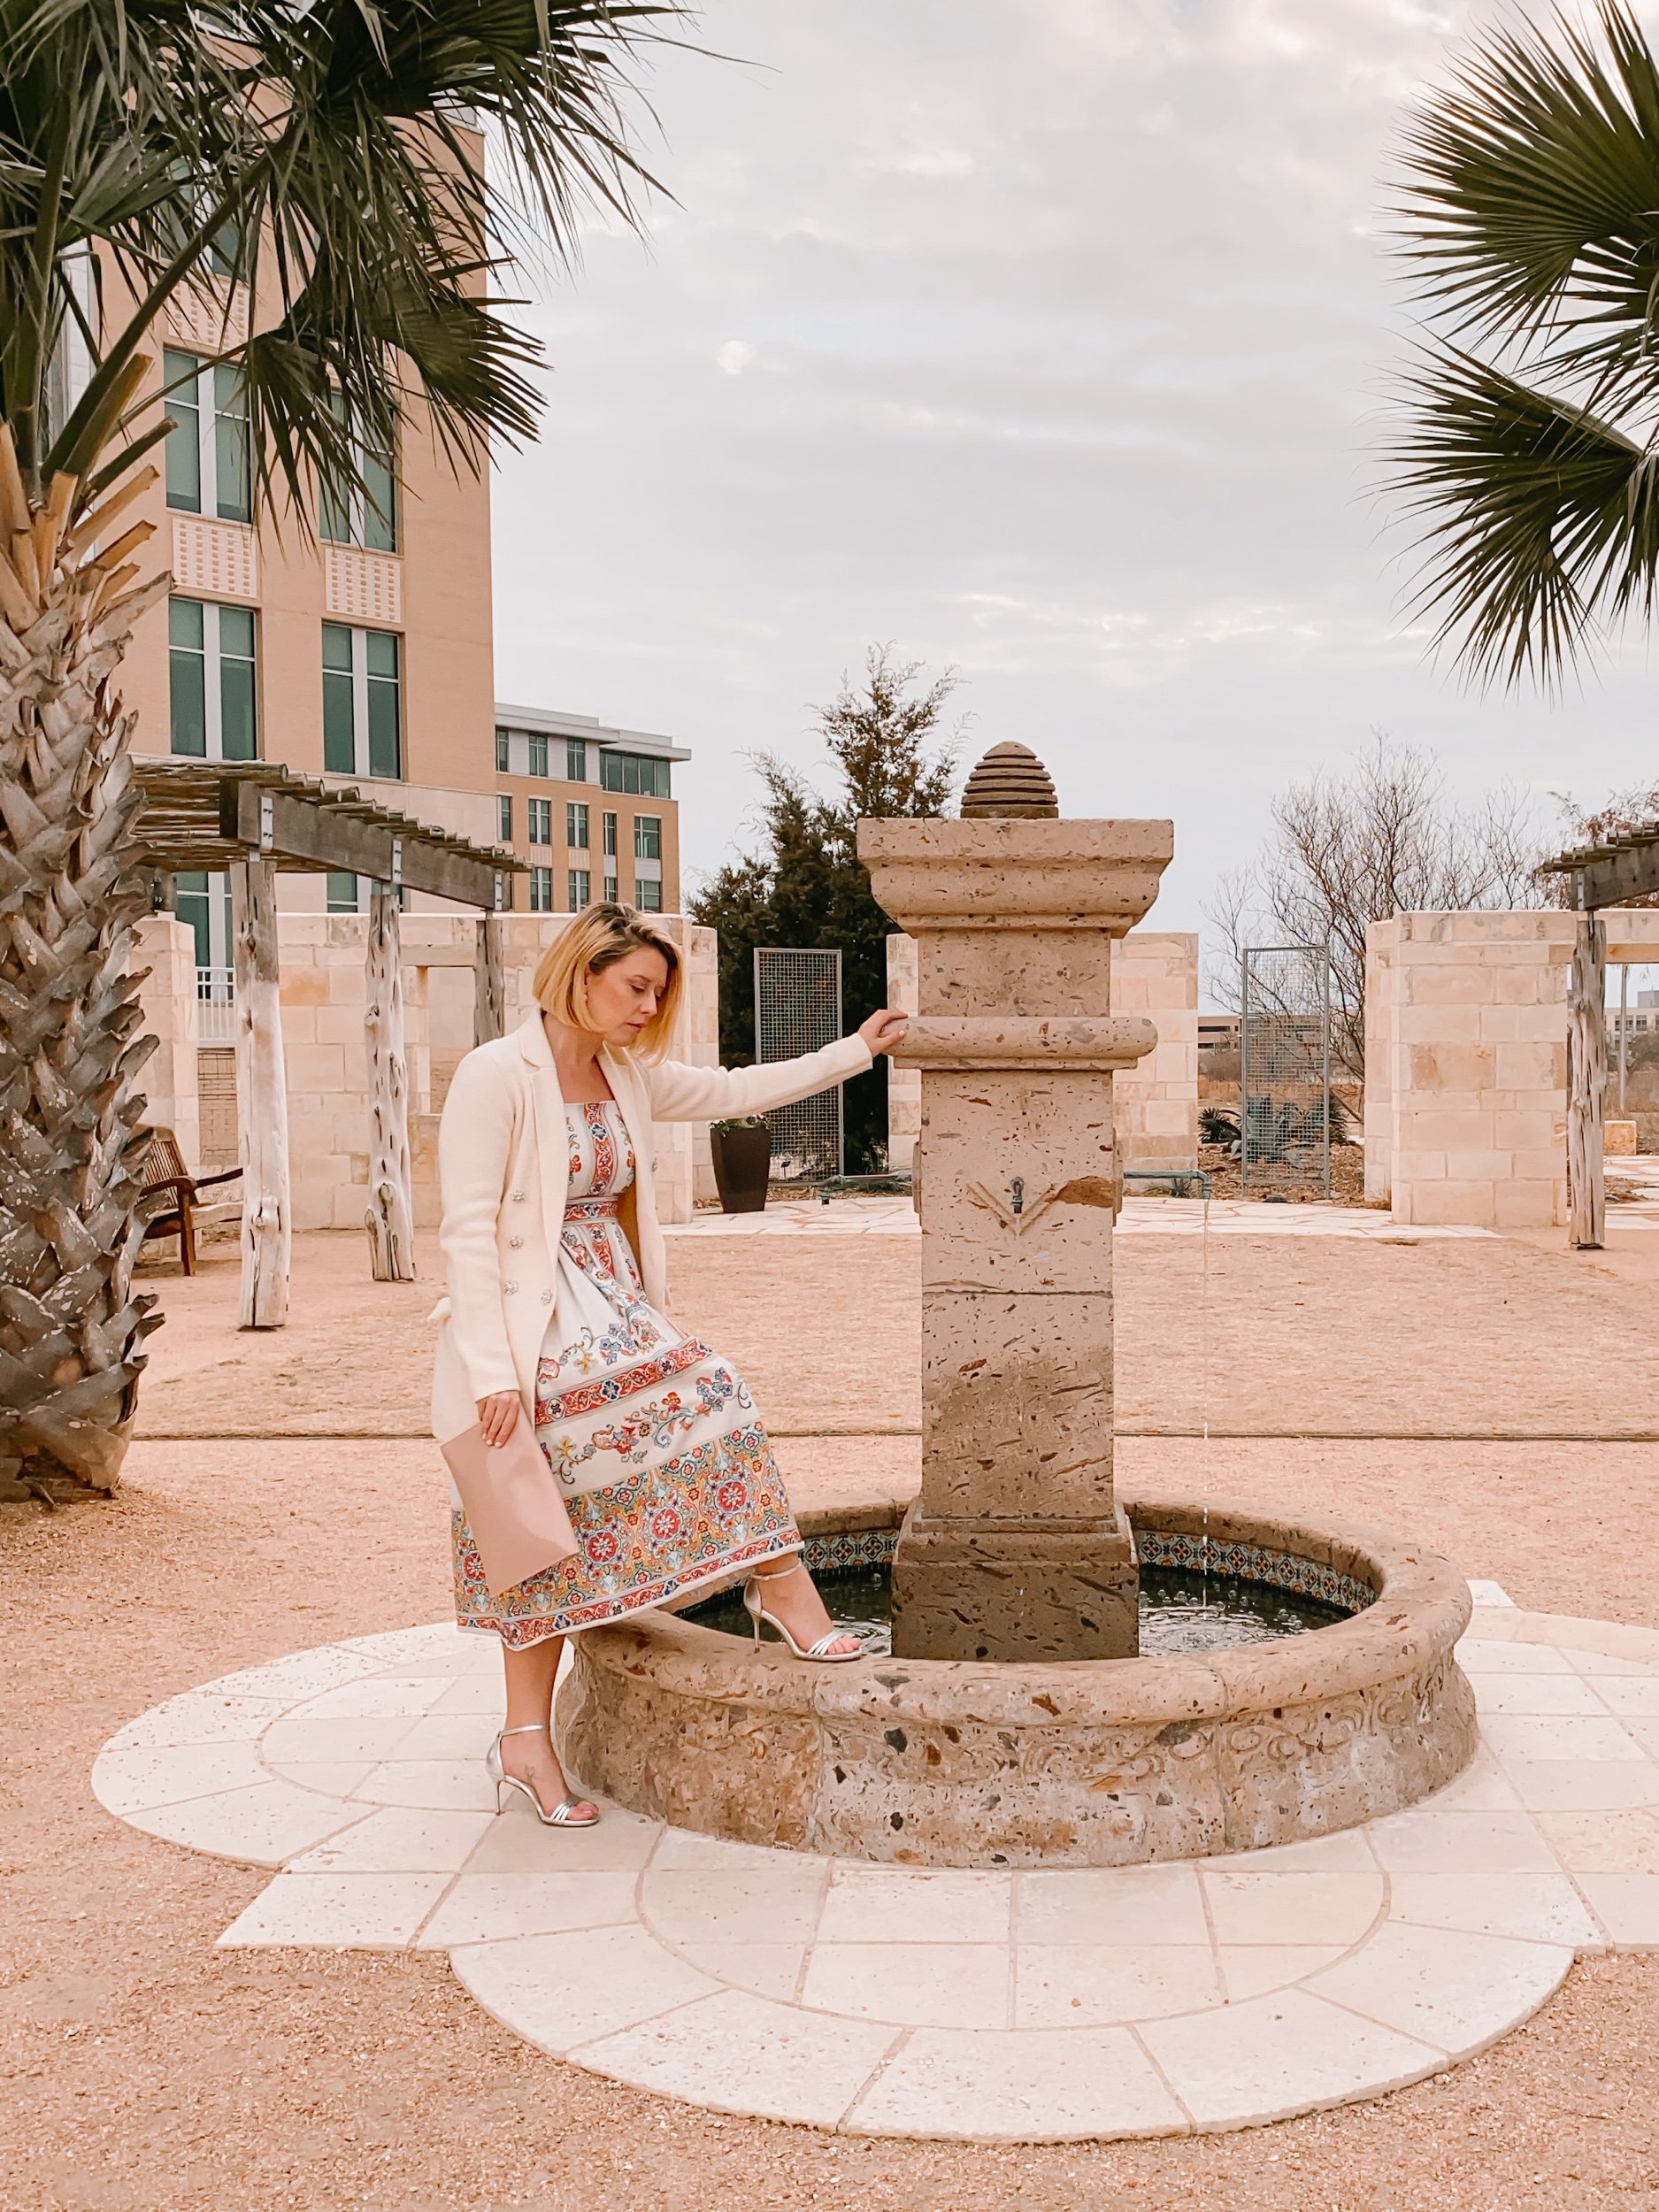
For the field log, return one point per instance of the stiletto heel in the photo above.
(564, 1815)
(758, 1613)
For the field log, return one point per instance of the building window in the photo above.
(640, 773)
(576, 826)
(610, 890)
(343, 893)
(648, 895)
(209, 455)
(648, 837)
(212, 679)
(363, 714)
(540, 814)
(365, 514)
(578, 884)
(576, 760)
(538, 757)
(504, 819)
(203, 901)
(540, 890)
(504, 753)
(610, 837)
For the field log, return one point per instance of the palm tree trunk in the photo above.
(71, 1327)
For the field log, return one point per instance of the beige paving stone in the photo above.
(480, 1907)
(983, 2087)
(1254, 1970)
(262, 1826)
(397, 1840)
(371, 1912)
(1277, 2054)
(437, 1785)
(1482, 1655)
(137, 1779)
(1130, 1904)
(1566, 1786)
(480, 1693)
(1483, 1786)
(557, 1991)
(1625, 1841)
(370, 1736)
(1536, 1907)
(734, 2052)
(1596, 1664)
(1436, 1838)
(771, 1970)
(329, 1778)
(685, 1851)
(447, 1736)
(885, 1904)
(1292, 1908)
(777, 1903)
(911, 1985)
(1627, 1906)
(515, 1841)
(1454, 1991)
(1090, 1985)
(1345, 1852)
(1517, 1738)
(1542, 1695)
(1634, 1693)
(296, 1675)
(199, 1717)
(372, 1696)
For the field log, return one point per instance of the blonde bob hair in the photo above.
(596, 939)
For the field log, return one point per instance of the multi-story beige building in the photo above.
(591, 809)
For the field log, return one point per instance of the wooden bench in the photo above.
(161, 1169)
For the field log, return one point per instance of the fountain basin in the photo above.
(1096, 1762)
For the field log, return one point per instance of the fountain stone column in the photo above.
(1016, 1548)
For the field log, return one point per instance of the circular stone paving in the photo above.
(1033, 2006)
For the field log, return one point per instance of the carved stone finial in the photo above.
(1011, 783)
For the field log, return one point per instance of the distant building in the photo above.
(591, 809)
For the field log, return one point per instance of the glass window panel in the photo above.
(386, 745)
(541, 815)
(233, 490)
(184, 623)
(578, 880)
(239, 736)
(187, 677)
(503, 754)
(343, 893)
(379, 506)
(610, 772)
(576, 824)
(235, 632)
(191, 901)
(538, 757)
(334, 503)
(184, 440)
(610, 890)
(648, 837)
(382, 650)
(540, 890)
(648, 895)
(337, 646)
(610, 833)
(339, 751)
(504, 819)
(575, 760)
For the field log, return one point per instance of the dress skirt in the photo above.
(665, 1468)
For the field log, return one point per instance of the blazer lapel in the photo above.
(552, 1143)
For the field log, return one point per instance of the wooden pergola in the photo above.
(1624, 871)
(256, 821)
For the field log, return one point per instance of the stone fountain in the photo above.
(1014, 1724)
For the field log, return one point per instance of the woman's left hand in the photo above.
(884, 1029)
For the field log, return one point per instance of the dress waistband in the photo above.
(581, 1210)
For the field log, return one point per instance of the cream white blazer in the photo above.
(503, 1167)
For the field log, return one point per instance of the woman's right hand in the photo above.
(497, 1415)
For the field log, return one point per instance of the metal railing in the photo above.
(215, 1006)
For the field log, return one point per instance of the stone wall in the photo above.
(325, 1049)
(1466, 1062)
(1155, 973)
(904, 1085)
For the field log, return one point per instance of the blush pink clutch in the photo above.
(511, 1503)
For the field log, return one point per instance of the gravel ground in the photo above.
(147, 2073)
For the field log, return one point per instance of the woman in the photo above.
(555, 1278)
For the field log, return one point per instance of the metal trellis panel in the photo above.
(798, 1008)
(1285, 1108)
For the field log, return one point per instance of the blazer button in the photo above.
(517, 1197)
(547, 1298)
(511, 1289)
(515, 1242)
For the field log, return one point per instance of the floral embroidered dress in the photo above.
(664, 1469)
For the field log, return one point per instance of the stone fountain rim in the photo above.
(1421, 1607)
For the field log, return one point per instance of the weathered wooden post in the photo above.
(262, 1099)
(1587, 1082)
(390, 1218)
(489, 983)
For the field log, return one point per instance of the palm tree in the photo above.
(1530, 443)
(320, 162)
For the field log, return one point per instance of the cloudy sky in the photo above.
(1046, 338)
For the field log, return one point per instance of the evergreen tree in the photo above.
(807, 888)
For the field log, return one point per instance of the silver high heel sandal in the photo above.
(563, 1814)
(758, 1613)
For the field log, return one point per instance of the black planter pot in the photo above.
(742, 1166)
